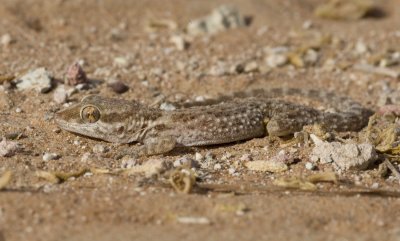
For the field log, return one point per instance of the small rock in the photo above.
(375, 185)
(222, 18)
(348, 156)
(277, 60)
(39, 79)
(18, 110)
(246, 157)
(185, 161)
(307, 24)
(9, 148)
(167, 106)
(361, 47)
(193, 220)
(231, 170)
(198, 157)
(150, 167)
(267, 166)
(219, 69)
(311, 57)
(128, 162)
(180, 42)
(6, 39)
(217, 167)
(251, 66)
(122, 62)
(86, 157)
(310, 166)
(118, 87)
(50, 156)
(60, 95)
(100, 149)
(75, 75)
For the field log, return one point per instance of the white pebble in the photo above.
(50, 156)
(99, 149)
(6, 39)
(217, 167)
(375, 185)
(198, 156)
(309, 166)
(18, 110)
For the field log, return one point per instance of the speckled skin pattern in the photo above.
(238, 117)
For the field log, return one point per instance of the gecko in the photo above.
(242, 116)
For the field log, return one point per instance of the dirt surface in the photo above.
(113, 42)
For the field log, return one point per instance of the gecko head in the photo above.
(101, 118)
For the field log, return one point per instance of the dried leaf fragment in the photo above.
(344, 9)
(5, 179)
(182, 180)
(306, 183)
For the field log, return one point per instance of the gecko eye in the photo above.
(90, 114)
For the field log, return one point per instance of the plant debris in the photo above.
(345, 9)
(5, 179)
(182, 180)
(306, 183)
(60, 177)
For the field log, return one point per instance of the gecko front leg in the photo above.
(157, 145)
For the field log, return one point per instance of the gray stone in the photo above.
(345, 156)
(39, 79)
(222, 18)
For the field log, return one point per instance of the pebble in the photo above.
(345, 156)
(193, 220)
(276, 60)
(180, 42)
(361, 47)
(231, 171)
(167, 106)
(307, 24)
(198, 157)
(310, 166)
(100, 149)
(217, 167)
(128, 162)
(246, 157)
(311, 57)
(75, 75)
(150, 167)
(221, 18)
(218, 69)
(185, 161)
(9, 148)
(6, 39)
(39, 79)
(118, 87)
(375, 185)
(18, 110)
(50, 156)
(85, 157)
(251, 66)
(122, 62)
(60, 95)
(267, 166)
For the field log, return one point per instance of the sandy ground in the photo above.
(54, 34)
